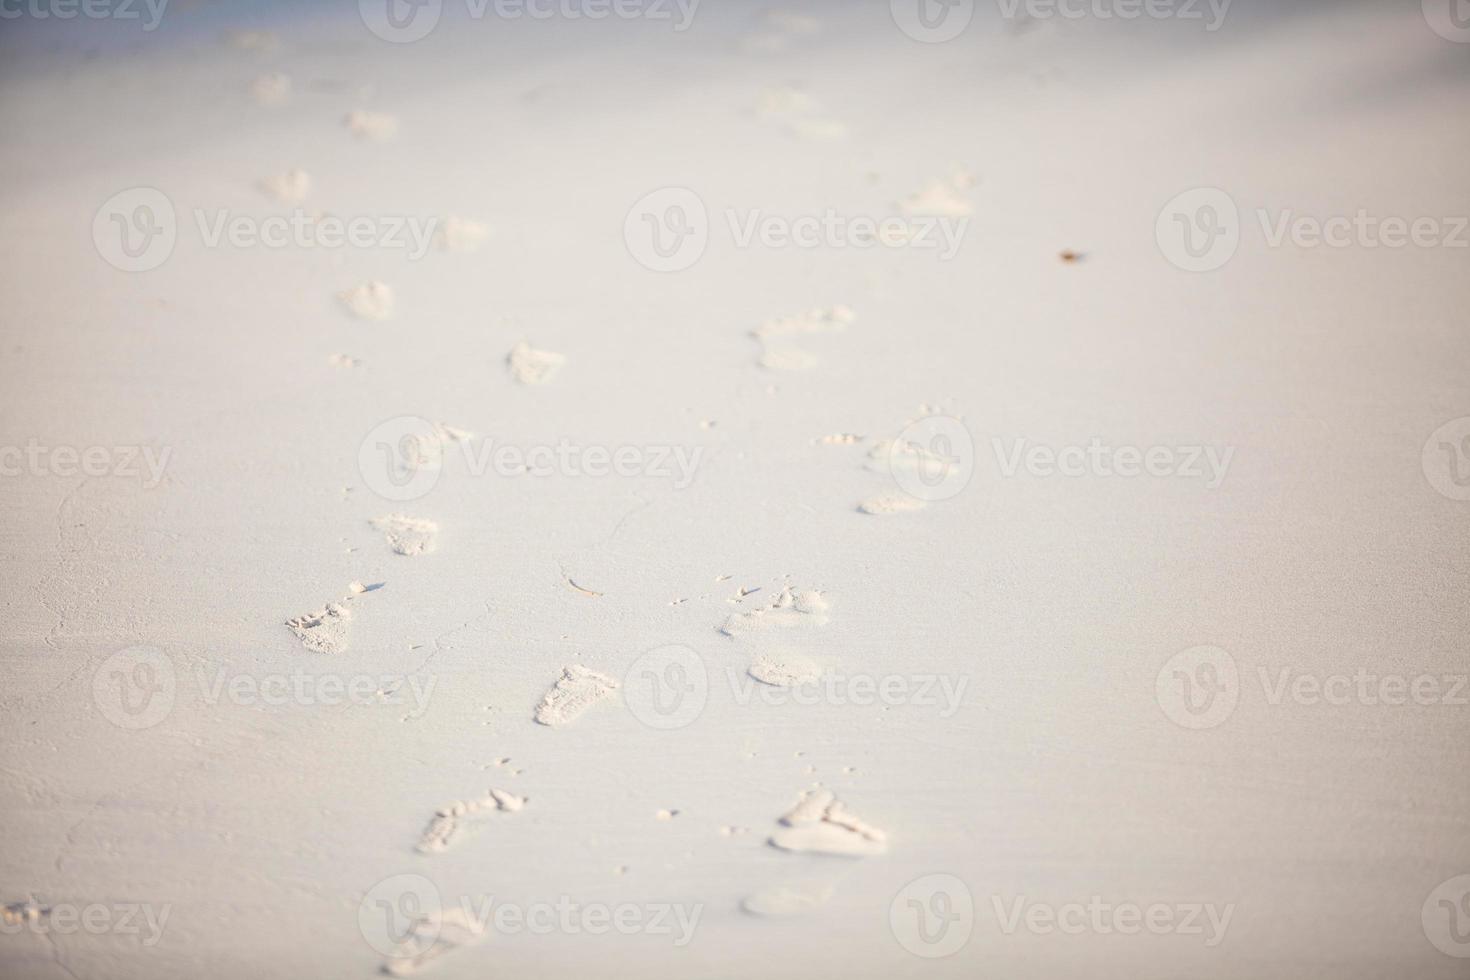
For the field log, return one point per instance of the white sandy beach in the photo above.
(701, 524)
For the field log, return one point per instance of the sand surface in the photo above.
(566, 410)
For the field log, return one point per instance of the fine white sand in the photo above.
(201, 719)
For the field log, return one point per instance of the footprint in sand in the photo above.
(533, 367)
(376, 126)
(819, 823)
(409, 536)
(449, 821)
(290, 187)
(788, 610)
(573, 693)
(369, 301)
(430, 936)
(272, 89)
(324, 631)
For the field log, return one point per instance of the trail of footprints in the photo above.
(818, 823)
